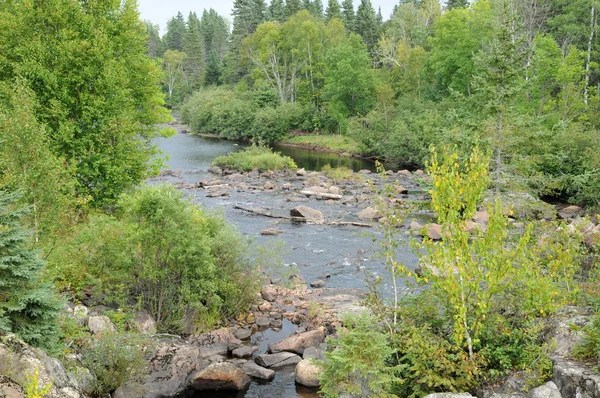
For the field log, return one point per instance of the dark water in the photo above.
(344, 253)
(312, 160)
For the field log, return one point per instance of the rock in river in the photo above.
(253, 370)
(277, 360)
(307, 373)
(220, 376)
(299, 342)
(308, 213)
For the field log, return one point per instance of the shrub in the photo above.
(355, 362)
(114, 359)
(255, 157)
(184, 266)
(590, 346)
(272, 124)
(337, 174)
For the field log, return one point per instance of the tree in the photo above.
(175, 33)
(214, 31)
(292, 7)
(451, 4)
(193, 47)
(155, 45)
(276, 11)
(348, 17)
(173, 69)
(349, 81)
(213, 69)
(97, 92)
(333, 10)
(28, 306)
(366, 24)
(316, 9)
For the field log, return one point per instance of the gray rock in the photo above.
(573, 380)
(317, 284)
(81, 312)
(269, 232)
(168, 371)
(220, 376)
(301, 172)
(144, 323)
(369, 214)
(263, 322)
(276, 323)
(571, 212)
(243, 352)
(449, 395)
(100, 323)
(242, 334)
(310, 214)
(548, 390)
(258, 372)
(299, 342)
(212, 343)
(277, 360)
(233, 344)
(307, 373)
(10, 389)
(215, 170)
(312, 352)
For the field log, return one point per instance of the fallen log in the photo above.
(265, 213)
(322, 195)
(352, 223)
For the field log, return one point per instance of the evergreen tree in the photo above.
(379, 18)
(333, 10)
(306, 4)
(366, 24)
(276, 11)
(155, 45)
(348, 17)
(457, 4)
(316, 9)
(292, 7)
(213, 68)
(175, 33)
(193, 47)
(28, 307)
(214, 31)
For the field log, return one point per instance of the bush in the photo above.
(272, 124)
(184, 266)
(255, 157)
(114, 359)
(338, 174)
(590, 346)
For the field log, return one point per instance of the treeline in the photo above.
(515, 76)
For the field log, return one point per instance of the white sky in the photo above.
(160, 11)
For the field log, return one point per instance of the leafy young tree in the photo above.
(174, 73)
(349, 80)
(28, 306)
(97, 91)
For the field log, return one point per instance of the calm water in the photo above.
(313, 251)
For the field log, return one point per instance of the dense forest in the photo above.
(497, 99)
(518, 77)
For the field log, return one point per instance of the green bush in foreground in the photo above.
(255, 157)
(160, 253)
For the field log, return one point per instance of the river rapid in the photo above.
(339, 255)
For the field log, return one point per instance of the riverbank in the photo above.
(344, 146)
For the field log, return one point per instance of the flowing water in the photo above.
(340, 254)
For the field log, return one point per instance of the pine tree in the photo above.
(316, 9)
(213, 68)
(366, 24)
(292, 7)
(214, 30)
(306, 4)
(333, 10)
(193, 46)
(155, 45)
(276, 11)
(28, 307)
(379, 18)
(457, 4)
(175, 33)
(348, 16)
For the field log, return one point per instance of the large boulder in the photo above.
(277, 360)
(310, 214)
(571, 212)
(220, 376)
(258, 372)
(213, 343)
(144, 323)
(169, 370)
(24, 360)
(307, 373)
(574, 380)
(299, 342)
(369, 214)
(548, 390)
(100, 324)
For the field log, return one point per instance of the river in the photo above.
(342, 255)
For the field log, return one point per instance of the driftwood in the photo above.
(323, 195)
(265, 213)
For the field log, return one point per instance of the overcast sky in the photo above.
(160, 11)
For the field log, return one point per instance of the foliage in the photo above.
(589, 348)
(255, 157)
(355, 362)
(337, 143)
(182, 265)
(28, 305)
(338, 174)
(33, 388)
(272, 124)
(96, 91)
(114, 359)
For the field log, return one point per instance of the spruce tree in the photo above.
(213, 68)
(333, 10)
(457, 4)
(193, 46)
(379, 18)
(348, 15)
(175, 33)
(28, 306)
(366, 24)
(316, 9)
(292, 7)
(306, 4)
(276, 11)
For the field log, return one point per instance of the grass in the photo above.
(334, 143)
(338, 174)
(255, 157)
